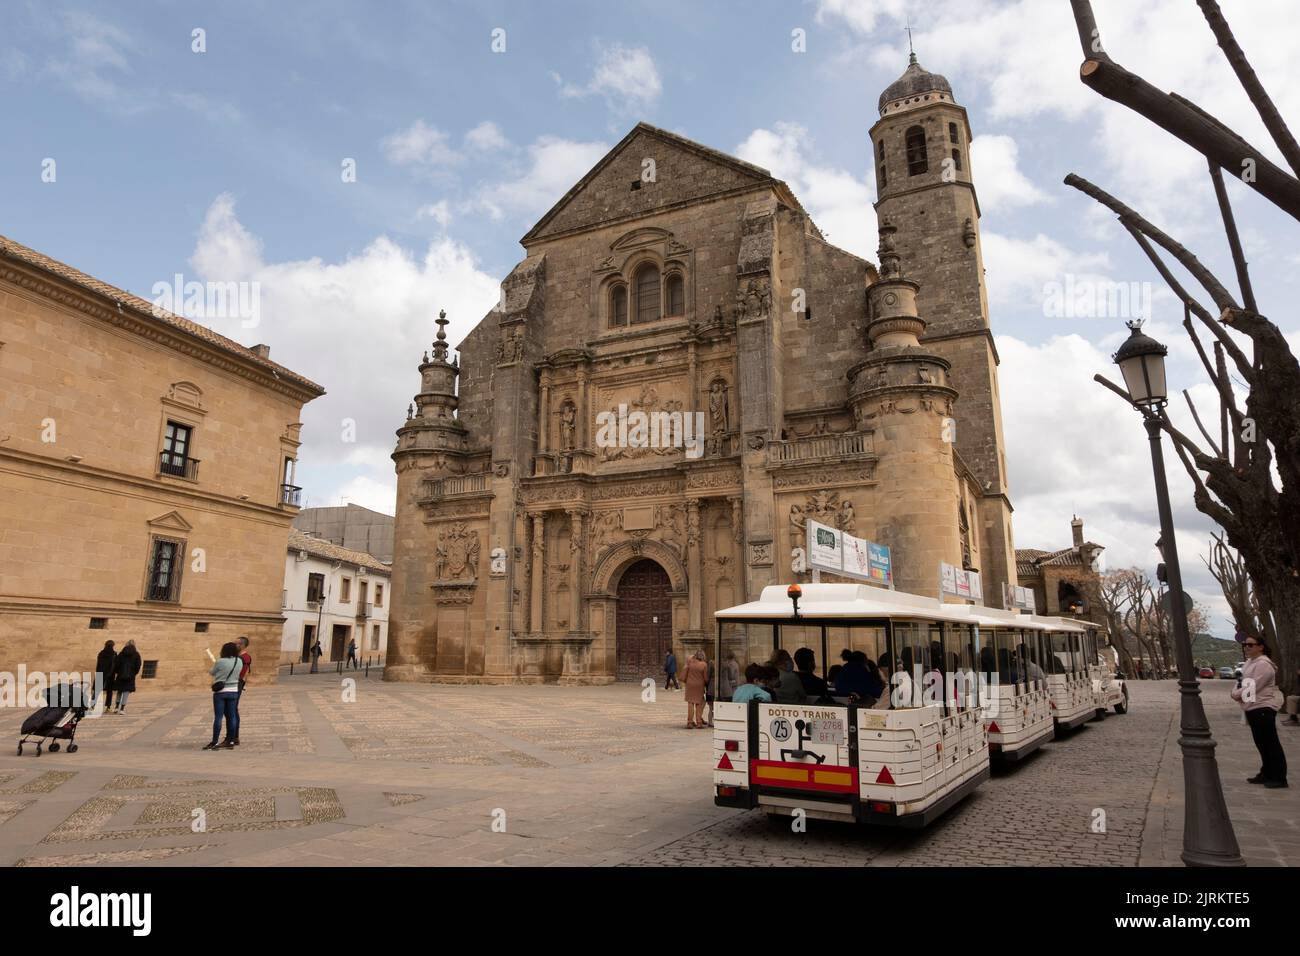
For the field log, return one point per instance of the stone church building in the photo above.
(676, 279)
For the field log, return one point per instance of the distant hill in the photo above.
(1215, 652)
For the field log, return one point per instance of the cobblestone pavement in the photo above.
(410, 774)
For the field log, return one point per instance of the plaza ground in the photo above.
(416, 774)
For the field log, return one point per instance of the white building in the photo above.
(336, 595)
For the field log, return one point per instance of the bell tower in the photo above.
(921, 152)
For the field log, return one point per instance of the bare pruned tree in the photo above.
(1246, 476)
(1250, 615)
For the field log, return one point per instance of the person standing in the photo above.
(1260, 699)
(670, 668)
(105, 664)
(352, 653)
(728, 677)
(125, 670)
(225, 696)
(246, 662)
(316, 652)
(697, 676)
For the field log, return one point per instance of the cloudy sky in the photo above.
(465, 121)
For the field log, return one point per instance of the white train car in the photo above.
(1013, 658)
(899, 760)
(1069, 678)
(1108, 688)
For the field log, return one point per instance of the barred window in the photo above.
(164, 582)
(647, 294)
(676, 290)
(618, 306)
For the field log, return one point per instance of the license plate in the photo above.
(826, 732)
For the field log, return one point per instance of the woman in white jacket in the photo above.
(1260, 699)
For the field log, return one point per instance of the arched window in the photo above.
(618, 306)
(647, 294)
(675, 290)
(917, 162)
(883, 183)
(952, 133)
(956, 159)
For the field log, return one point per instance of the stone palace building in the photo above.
(674, 278)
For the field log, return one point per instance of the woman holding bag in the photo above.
(225, 696)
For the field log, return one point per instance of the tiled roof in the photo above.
(16, 250)
(298, 541)
(1030, 561)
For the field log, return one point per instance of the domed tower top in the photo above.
(916, 87)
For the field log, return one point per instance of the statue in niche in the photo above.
(719, 416)
(568, 426)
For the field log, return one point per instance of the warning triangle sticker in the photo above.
(725, 763)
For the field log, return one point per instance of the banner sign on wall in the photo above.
(830, 549)
(960, 582)
(1019, 597)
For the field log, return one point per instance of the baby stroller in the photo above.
(65, 708)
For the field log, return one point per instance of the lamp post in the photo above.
(1208, 838)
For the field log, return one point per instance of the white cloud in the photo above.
(999, 181)
(96, 61)
(420, 145)
(439, 212)
(1017, 270)
(839, 202)
(358, 327)
(625, 76)
(487, 137)
(1023, 57)
(1074, 448)
(553, 166)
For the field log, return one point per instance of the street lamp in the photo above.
(1208, 838)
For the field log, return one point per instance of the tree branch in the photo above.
(1191, 406)
(1273, 121)
(1103, 75)
(1221, 296)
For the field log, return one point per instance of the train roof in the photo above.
(831, 601)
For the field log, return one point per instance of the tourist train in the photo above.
(966, 684)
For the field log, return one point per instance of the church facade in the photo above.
(536, 541)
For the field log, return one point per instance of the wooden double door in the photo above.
(644, 622)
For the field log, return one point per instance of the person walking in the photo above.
(246, 661)
(670, 668)
(105, 664)
(316, 652)
(708, 694)
(225, 696)
(1260, 699)
(697, 676)
(352, 654)
(728, 677)
(125, 670)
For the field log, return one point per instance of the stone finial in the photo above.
(440, 346)
(891, 266)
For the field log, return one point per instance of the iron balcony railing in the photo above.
(291, 495)
(178, 466)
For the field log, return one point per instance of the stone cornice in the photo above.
(136, 322)
(69, 472)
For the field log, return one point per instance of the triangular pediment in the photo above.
(668, 170)
(171, 521)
